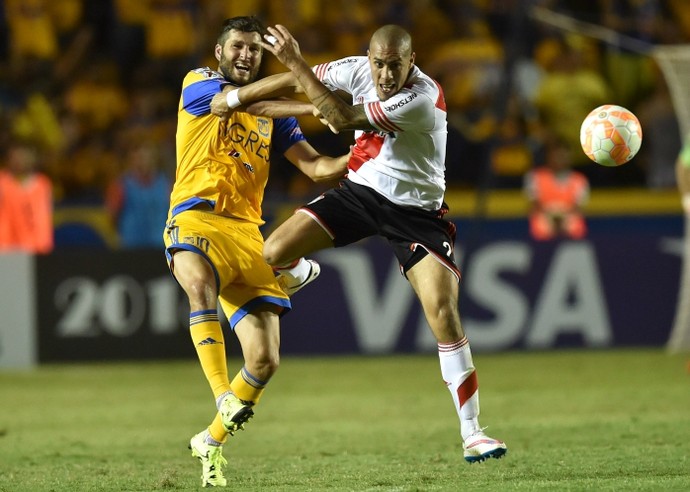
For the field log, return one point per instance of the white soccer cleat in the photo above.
(479, 447)
(290, 284)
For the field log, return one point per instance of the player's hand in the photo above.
(323, 120)
(281, 43)
(219, 106)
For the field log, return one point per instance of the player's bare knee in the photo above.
(272, 253)
(442, 314)
(263, 364)
(201, 293)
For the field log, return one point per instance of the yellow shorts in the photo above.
(234, 250)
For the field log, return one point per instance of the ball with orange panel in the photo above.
(611, 135)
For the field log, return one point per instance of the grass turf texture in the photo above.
(573, 420)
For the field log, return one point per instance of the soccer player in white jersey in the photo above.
(394, 188)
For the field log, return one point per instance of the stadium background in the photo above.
(86, 80)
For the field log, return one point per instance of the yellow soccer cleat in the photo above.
(234, 413)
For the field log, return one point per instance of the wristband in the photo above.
(233, 99)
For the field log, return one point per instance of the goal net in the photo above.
(674, 62)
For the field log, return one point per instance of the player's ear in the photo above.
(412, 57)
(218, 51)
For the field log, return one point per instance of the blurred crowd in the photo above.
(93, 85)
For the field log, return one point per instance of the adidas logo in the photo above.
(208, 341)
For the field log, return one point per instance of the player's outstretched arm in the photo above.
(318, 167)
(280, 108)
(281, 85)
(261, 99)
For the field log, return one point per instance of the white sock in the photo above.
(221, 397)
(297, 272)
(460, 377)
(210, 441)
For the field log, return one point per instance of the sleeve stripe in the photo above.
(380, 118)
(320, 70)
(440, 100)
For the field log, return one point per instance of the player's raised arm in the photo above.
(339, 114)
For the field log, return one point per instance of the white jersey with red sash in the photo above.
(404, 159)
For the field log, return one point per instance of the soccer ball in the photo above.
(611, 135)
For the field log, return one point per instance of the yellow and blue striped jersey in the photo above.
(224, 164)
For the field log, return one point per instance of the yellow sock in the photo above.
(217, 430)
(246, 387)
(207, 336)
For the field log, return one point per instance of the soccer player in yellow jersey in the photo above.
(212, 238)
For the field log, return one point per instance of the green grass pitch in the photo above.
(573, 421)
